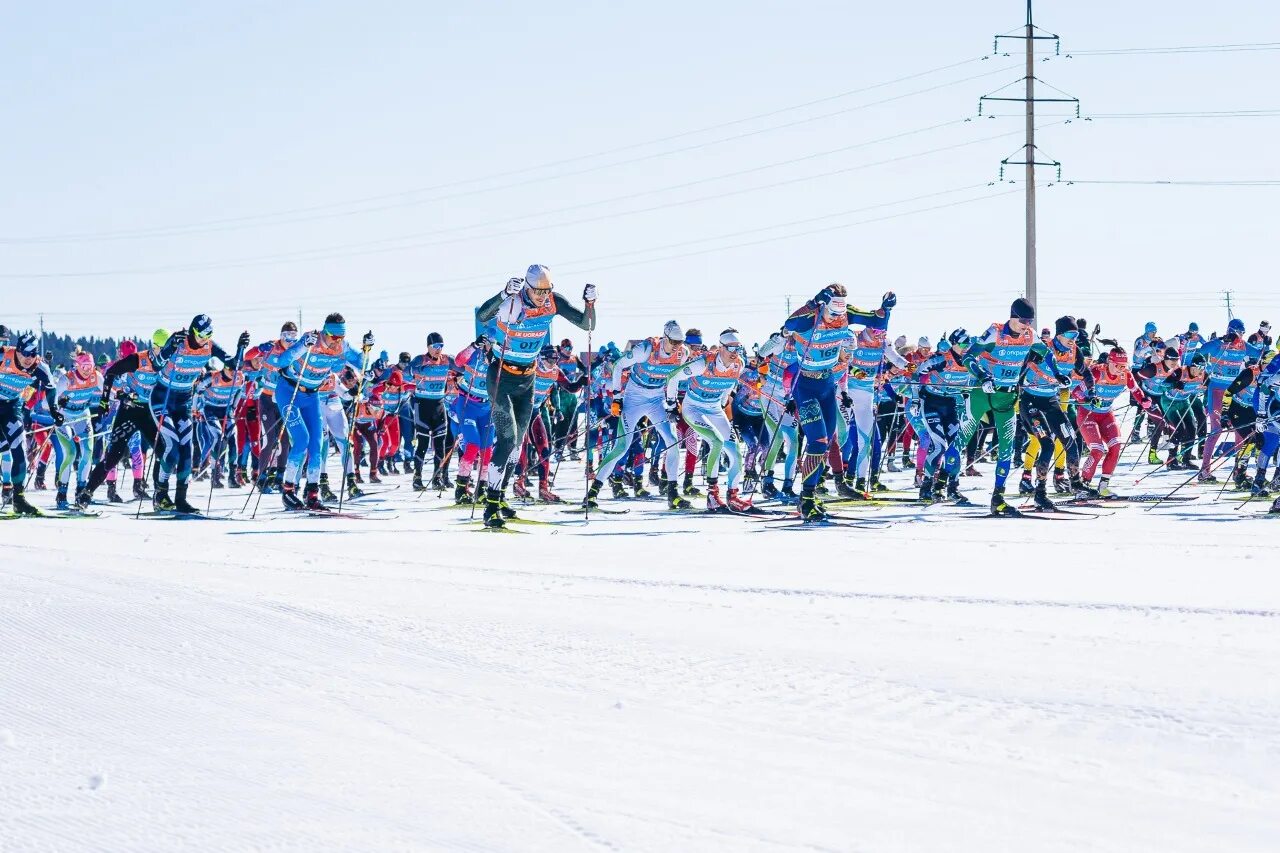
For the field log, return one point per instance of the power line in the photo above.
(1186, 48)
(269, 260)
(1261, 182)
(1262, 113)
(254, 220)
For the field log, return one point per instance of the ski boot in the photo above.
(972, 471)
(1041, 498)
(1026, 486)
(876, 485)
(810, 510)
(674, 499)
(61, 502)
(593, 492)
(1206, 477)
(445, 482)
(113, 496)
(618, 487)
(546, 495)
(751, 481)
(845, 488)
(180, 502)
(907, 464)
(892, 465)
(289, 496)
(787, 493)
(21, 506)
(520, 488)
(1275, 506)
(39, 485)
(359, 479)
(737, 503)
(653, 475)
(860, 489)
(1061, 484)
(233, 478)
(314, 503)
(1240, 479)
(767, 488)
(639, 490)
(373, 476)
(419, 487)
(953, 490)
(1083, 489)
(1153, 456)
(161, 501)
(1000, 507)
(462, 491)
(690, 490)
(926, 489)
(326, 493)
(919, 478)
(140, 491)
(353, 488)
(6, 494)
(715, 503)
(84, 497)
(1104, 488)
(1259, 489)
(217, 480)
(493, 508)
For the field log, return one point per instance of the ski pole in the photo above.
(155, 451)
(1189, 479)
(222, 435)
(351, 429)
(497, 383)
(284, 423)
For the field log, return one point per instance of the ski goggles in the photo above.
(435, 347)
(202, 334)
(1072, 334)
(290, 336)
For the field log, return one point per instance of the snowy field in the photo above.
(644, 682)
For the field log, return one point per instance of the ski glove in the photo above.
(589, 293)
(513, 286)
(104, 403)
(846, 400)
(368, 340)
(243, 342)
(58, 418)
(672, 407)
(889, 300)
(481, 342)
(310, 339)
(989, 387)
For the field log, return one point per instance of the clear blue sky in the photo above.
(201, 117)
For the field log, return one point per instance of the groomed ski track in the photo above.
(642, 682)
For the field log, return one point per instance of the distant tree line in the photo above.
(58, 350)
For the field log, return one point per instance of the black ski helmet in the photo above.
(435, 339)
(201, 327)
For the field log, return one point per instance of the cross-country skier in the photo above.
(523, 312)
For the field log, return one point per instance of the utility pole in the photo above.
(1031, 161)
(42, 335)
(1227, 294)
(1030, 34)
(788, 306)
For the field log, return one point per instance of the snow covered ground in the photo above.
(642, 682)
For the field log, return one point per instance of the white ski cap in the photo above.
(673, 331)
(924, 342)
(215, 363)
(538, 277)
(729, 338)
